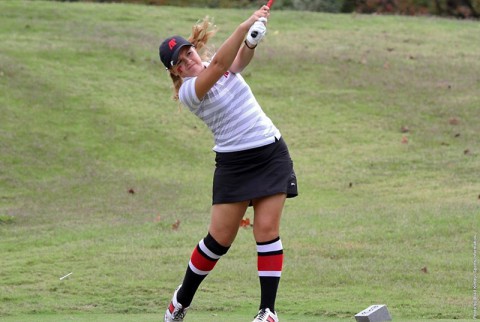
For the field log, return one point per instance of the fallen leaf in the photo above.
(467, 151)
(404, 129)
(404, 139)
(245, 222)
(453, 121)
(131, 191)
(424, 269)
(176, 224)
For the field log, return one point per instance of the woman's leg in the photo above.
(225, 221)
(266, 230)
(224, 225)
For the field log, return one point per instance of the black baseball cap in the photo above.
(170, 48)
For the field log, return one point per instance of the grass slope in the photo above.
(383, 216)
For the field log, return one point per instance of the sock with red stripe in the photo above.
(270, 262)
(203, 260)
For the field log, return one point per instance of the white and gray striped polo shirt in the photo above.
(231, 112)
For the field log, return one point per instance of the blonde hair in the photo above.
(202, 31)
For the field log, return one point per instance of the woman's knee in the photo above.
(264, 231)
(225, 222)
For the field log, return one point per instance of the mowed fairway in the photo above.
(103, 176)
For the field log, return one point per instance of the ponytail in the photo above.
(177, 82)
(201, 34)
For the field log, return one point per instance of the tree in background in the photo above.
(456, 8)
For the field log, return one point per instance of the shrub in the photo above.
(457, 8)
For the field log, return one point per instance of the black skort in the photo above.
(254, 173)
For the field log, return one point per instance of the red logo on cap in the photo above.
(172, 43)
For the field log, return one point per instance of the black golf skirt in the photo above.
(254, 173)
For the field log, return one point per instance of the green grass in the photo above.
(199, 316)
(86, 116)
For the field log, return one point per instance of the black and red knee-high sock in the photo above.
(270, 262)
(203, 260)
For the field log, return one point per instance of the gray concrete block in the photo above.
(374, 313)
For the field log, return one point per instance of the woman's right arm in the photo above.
(225, 56)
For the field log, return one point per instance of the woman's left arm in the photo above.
(242, 59)
(247, 50)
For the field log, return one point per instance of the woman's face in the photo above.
(189, 63)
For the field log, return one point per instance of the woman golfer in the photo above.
(253, 165)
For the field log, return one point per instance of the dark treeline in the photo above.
(451, 8)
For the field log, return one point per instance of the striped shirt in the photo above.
(231, 112)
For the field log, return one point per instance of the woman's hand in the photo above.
(226, 55)
(257, 32)
(263, 12)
